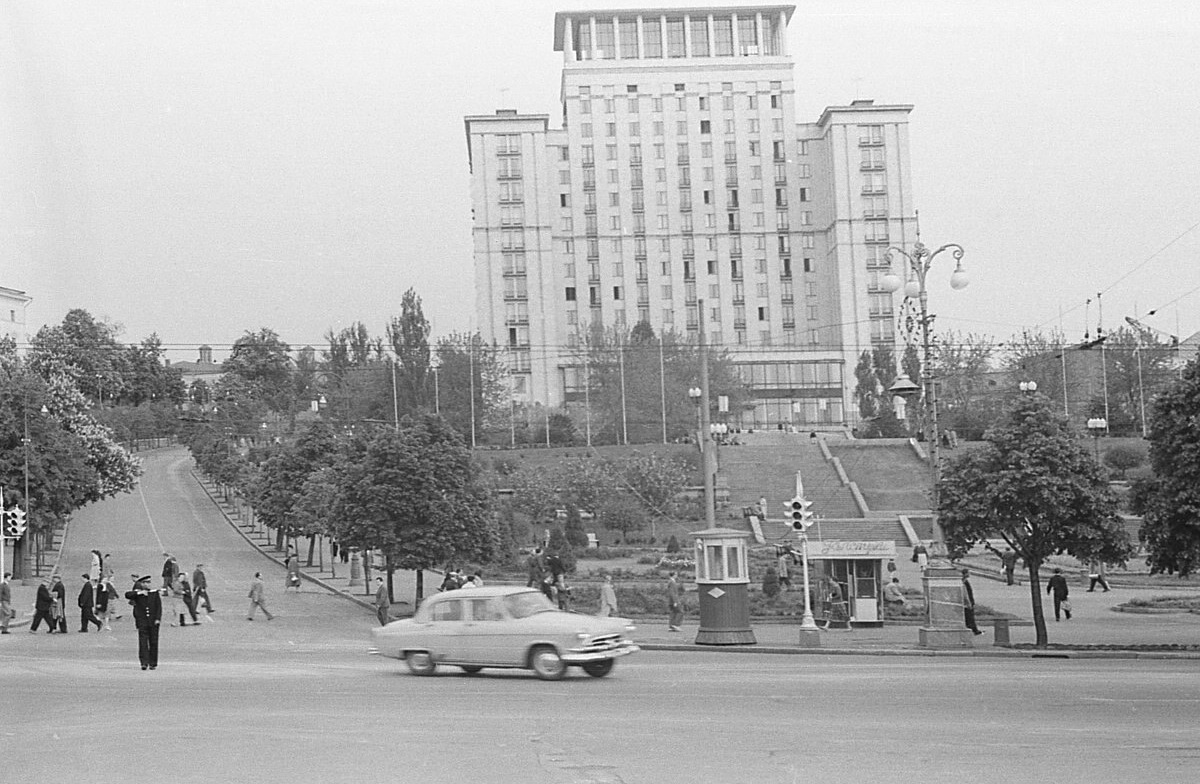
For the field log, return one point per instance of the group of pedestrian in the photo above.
(187, 597)
(547, 572)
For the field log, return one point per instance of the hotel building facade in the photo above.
(680, 191)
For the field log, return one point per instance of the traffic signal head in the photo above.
(800, 514)
(14, 522)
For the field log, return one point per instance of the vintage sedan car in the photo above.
(503, 626)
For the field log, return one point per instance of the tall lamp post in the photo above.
(944, 623)
(1097, 426)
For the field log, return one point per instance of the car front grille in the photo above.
(603, 643)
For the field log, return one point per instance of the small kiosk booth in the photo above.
(858, 569)
(723, 582)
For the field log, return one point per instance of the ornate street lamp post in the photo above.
(1097, 426)
(944, 627)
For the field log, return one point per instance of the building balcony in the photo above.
(514, 272)
(516, 321)
(870, 166)
(509, 176)
(739, 324)
(512, 296)
(589, 186)
(866, 141)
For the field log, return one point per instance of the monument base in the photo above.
(726, 637)
(946, 638)
(809, 638)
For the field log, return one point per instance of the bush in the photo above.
(770, 584)
(673, 544)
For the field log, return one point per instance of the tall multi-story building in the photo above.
(681, 191)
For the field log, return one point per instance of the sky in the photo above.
(203, 169)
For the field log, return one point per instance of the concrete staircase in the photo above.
(767, 467)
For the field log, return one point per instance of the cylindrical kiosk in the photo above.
(723, 584)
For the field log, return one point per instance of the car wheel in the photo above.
(598, 669)
(471, 669)
(420, 663)
(546, 663)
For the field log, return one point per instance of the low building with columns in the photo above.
(679, 176)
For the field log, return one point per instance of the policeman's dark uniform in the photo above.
(147, 614)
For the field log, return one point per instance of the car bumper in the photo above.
(577, 656)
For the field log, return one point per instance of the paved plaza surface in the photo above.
(298, 699)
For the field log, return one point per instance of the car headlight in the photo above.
(631, 628)
(581, 636)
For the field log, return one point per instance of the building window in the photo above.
(870, 134)
(699, 37)
(585, 130)
(803, 170)
(652, 39)
(564, 200)
(804, 194)
(764, 313)
(570, 293)
(676, 42)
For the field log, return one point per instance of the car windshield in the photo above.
(522, 605)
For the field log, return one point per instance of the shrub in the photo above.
(770, 584)
(672, 544)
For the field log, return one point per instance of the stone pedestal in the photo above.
(945, 627)
(810, 637)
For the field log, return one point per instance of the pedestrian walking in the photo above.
(292, 563)
(257, 598)
(43, 608)
(1096, 575)
(104, 602)
(170, 570)
(920, 556)
(6, 611)
(1008, 560)
(106, 569)
(382, 603)
(60, 603)
(536, 568)
(674, 603)
(147, 616)
(87, 603)
(608, 597)
(200, 588)
(1057, 586)
(785, 569)
(97, 567)
(188, 598)
(969, 603)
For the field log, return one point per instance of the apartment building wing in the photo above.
(681, 191)
(13, 306)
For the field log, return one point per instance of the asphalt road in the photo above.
(298, 700)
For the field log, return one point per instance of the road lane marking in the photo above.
(149, 517)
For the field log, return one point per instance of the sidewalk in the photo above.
(1095, 630)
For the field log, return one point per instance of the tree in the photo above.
(875, 373)
(409, 336)
(1033, 485)
(283, 476)
(261, 359)
(1170, 502)
(145, 375)
(1122, 457)
(414, 495)
(470, 381)
(82, 349)
(653, 480)
(633, 378)
(1137, 366)
(619, 512)
(967, 399)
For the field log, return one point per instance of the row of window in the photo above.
(705, 103)
(511, 239)
(514, 216)
(645, 38)
(658, 128)
(802, 170)
(667, 290)
(683, 151)
(514, 264)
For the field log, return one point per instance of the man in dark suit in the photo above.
(41, 607)
(60, 597)
(969, 603)
(87, 604)
(1058, 587)
(200, 587)
(147, 615)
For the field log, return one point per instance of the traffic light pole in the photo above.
(810, 633)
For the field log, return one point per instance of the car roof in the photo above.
(487, 590)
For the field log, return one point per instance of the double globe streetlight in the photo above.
(944, 625)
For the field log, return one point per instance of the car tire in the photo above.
(546, 663)
(471, 669)
(598, 669)
(420, 663)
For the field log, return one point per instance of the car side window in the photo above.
(447, 611)
(486, 610)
